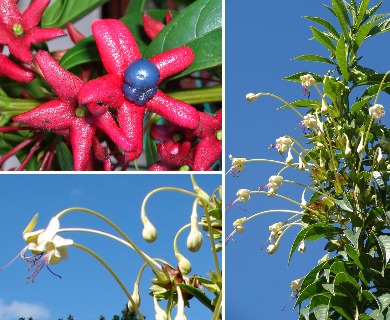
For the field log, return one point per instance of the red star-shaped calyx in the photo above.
(19, 31)
(11, 70)
(66, 116)
(118, 51)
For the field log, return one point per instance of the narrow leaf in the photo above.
(384, 244)
(315, 58)
(359, 104)
(342, 16)
(342, 58)
(345, 204)
(323, 39)
(362, 11)
(324, 23)
(64, 156)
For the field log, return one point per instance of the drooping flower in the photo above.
(239, 224)
(307, 81)
(360, 148)
(274, 183)
(302, 247)
(19, 31)
(131, 83)
(295, 285)
(67, 117)
(283, 144)
(309, 121)
(376, 111)
(348, 150)
(45, 244)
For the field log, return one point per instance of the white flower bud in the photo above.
(136, 298)
(273, 247)
(289, 158)
(302, 247)
(149, 232)
(324, 258)
(348, 150)
(301, 164)
(160, 313)
(251, 97)
(183, 263)
(360, 148)
(324, 107)
(194, 240)
(376, 111)
(379, 158)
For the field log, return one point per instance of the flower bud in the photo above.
(348, 150)
(149, 232)
(160, 313)
(251, 97)
(183, 263)
(379, 158)
(301, 164)
(324, 258)
(360, 148)
(272, 248)
(302, 247)
(194, 240)
(289, 158)
(136, 298)
(324, 107)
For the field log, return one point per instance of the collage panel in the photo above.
(307, 159)
(117, 246)
(111, 85)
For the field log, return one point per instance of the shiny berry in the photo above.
(141, 78)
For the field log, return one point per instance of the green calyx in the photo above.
(177, 137)
(81, 111)
(185, 168)
(18, 29)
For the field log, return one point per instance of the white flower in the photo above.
(47, 242)
(251, 97)
(376, 111)
(283, 144)
(237, 163)
(309, 121)
(238, 224)
(180, 305)
(276, 227)
(275, 182)
(296, 284)
(243, 195)
(307, 80)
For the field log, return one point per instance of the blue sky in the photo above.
(86, 290)
(261, 39)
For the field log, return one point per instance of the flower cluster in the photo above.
(104, 118)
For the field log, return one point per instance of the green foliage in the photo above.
(355, 283)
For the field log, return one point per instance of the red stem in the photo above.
(31, 153)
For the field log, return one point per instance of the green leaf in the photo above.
(326, 24)
(199, 26)
(380, 28)
(65, 157)
(309, 292)
(387, 217)
(320, 304)
(63, 11)
(342, 306)
(361, 12)
(84, 51)
(342, 16)
(384, 245)
(300, 104)
(363, 33)
(353, 253)
(384, 301)
(312, 233)
(342, 58)
(359, 104)
(324, 39)
(315, 58)
(344, 204)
